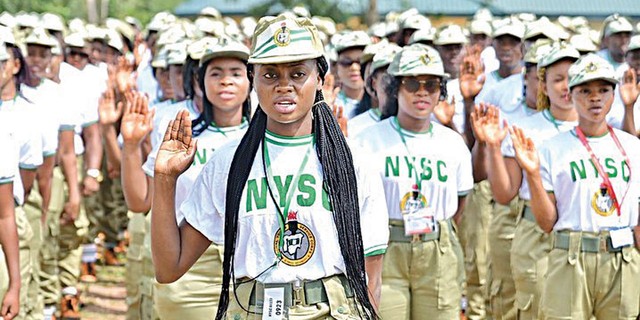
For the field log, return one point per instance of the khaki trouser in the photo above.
(502, 288)
(474, 238)
(134, 266)
(107, 211)
(422, 278)
(195, 295)
(582, 285)
(148, 310)
(529, 253)
(61, 251)
(33, 209)
(339, 306)
(25, 235)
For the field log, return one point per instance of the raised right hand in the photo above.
(108, 109)
(629, 88)
(329, 90)
(178, 149)
(526, 153)
(137, 121)
(338, 112)
(489, 120)
(471, 73)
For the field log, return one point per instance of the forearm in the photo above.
(27, 176)
(468, 136)
(112, 149)
(45, 177)
(135, 183)
(165, 233)
(461, 204)
(93, 147)
(373, 266)
(69, 165)
(498, 175)
(478, 153)
(9, 235)
(543, 208)
(628, 121)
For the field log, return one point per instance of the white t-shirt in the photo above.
(349, 105)
(313, 251)
(443, 159)
(567, 171)
(491, 79)
(488, 56)
(363, 121)
(539, 127)
(28, 140)
(508, 96)
(164, 114)
(619, 67)
(9, 159)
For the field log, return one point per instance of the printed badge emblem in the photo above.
(602, 203)
(591, 67)
(413, 201)
(299, 242)
(425, 59)
(283, 36)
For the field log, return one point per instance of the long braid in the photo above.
(238, 175)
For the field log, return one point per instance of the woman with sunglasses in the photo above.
(530, 245)
(286, 200)
(350, 48)
(584, 192)
(426, 171)
(221, 85)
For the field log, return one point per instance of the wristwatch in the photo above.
(96, 174)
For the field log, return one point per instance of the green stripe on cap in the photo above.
(411, 65)
(274, 46)
(270, 39)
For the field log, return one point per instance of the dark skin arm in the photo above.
(28, 176)
(9, 242)
(44, 177)
(92, 157)
(373, 267)
(67, 160)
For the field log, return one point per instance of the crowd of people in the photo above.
(281, 168)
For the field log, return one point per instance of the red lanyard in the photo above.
(605, 176)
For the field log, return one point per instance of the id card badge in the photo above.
(273, 307)
(419, 222)
(621, 237)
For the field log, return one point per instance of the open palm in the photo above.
(178, 148)
(109, 110)
(445, 111)
(471, 73)
(629, 88)
(525, 149)
(494, 132)
(137, 121)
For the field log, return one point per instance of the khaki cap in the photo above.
(226, 47)
(384, 57)
(416, 22)
(537, 50)
(27, 20)
(96, 33)
(371, 50)
(8, 20)
(353, 39)
(509, 26)
(301, 11)
(7, 36)
(616, 24)
(450, 34)
(211, 12)
(559, 50)
(196, 49)
(160, 59)
(51, 21)
(284, 39)
(544, 27)
(40, 36)
(177, 53)
(75, 40)
(483, 14)
(427, 35)
(583, 43)
(172, 35)
(480, 27)
(417, 59)
(325, 24)
(591, 67)
(114, 40)
(634, 43)
(248, 25)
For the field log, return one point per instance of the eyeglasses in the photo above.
(78, 53)
(348, 63)
(412, 85)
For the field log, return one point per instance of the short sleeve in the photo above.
(545, 168)
(465, 171)
(9, 159)
(30, 146)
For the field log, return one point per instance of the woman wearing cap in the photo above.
(286, 200)
(222, 87)
(350, 48)
(584, 192)
(530, 245)
(426, 171)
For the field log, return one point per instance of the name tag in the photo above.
(621, 237)
(419, 222)
(273, 307)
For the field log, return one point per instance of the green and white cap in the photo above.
(544, 27)
(416, 22)
(378, 29)
(450, 34)
(209, 26)
(509, 26)
(8, 20)
(301, 11)
(402, 16)
(285, 39)
(483, 14)
(75, 40)
(371, 50)
(96, 33)
(248, 25)
(160, 58)
(634, 43)
(4, 53)
(227, 48)
(51, 21)
(325, 24)
(427, 35)
(559, 50)
(537, 50)
(353, 39)
(591, 67)
(7, 36)
(197, 49)
(177, 53)
(583, 43)
(133, 21)
(172, 35)
(417, 59)
(211, 12)
(616, 23)
(114, 40)
(481, 27)
(384, 57)
(40, 36)
(392, 27)
(27, 20)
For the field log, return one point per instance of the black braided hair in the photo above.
(188, 73)
(202, 122)
(392, 88)
(339, 182)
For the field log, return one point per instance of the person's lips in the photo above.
(227, 95)
(285, 105)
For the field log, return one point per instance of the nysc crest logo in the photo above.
(282, 37)
(298, 244)
(602, 202)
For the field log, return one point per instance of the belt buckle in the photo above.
(416, 238)
(298, 293)
(604, 243)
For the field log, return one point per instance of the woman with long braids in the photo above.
(530, 244)
(221, 85)
(426, 171)
(287, 200)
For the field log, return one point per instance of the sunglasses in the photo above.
(347, 63)
(78, 53)
(413, 85)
